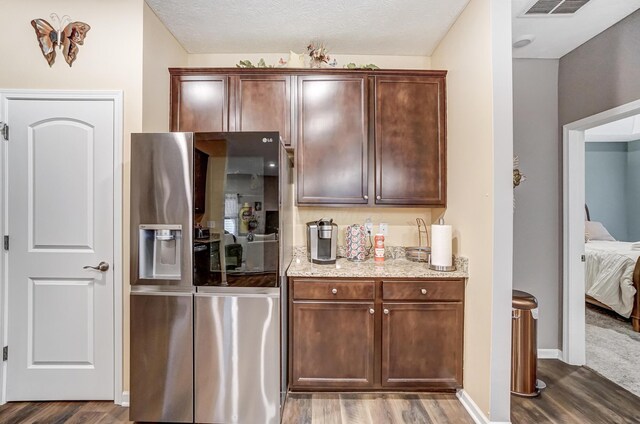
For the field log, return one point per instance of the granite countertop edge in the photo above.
(391, 268)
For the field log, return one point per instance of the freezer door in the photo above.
(161, 357)
(237, 358)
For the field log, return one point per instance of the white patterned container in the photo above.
(356, 237)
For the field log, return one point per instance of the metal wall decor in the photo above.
(68, 37)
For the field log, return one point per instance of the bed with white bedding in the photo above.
(612, 277)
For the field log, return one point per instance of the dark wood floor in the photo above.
(575, 395)
(318, 408)
(63, 412)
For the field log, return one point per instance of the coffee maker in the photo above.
(322, 241)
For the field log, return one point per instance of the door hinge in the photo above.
(6, 242)
(4, 130)
(583, 258)
(5, 353)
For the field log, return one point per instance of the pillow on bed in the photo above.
(594, 230)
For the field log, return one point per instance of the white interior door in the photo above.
(60, 220)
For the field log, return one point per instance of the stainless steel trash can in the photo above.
(524, 348)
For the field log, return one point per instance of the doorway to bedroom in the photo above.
(601, 224)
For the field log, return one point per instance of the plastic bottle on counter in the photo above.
(378, 243)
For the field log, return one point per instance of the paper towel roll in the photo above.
(441, 245)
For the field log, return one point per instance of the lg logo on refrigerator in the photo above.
(267, 140)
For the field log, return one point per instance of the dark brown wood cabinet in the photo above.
(333, 324)
(199, 103)
(332, 139)
(373, 138)
(382, 334)
(422, 345)
(333, 345)
(262, 103)
(410, 136)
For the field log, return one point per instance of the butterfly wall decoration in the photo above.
(68, 37)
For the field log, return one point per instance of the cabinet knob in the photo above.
(334, 291)
(378, 197)
(423, 291)
(386, 311)
(372, 311)
(366, 197)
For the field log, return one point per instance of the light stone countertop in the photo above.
(390, 268)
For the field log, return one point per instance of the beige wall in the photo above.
(466, 53)
(389, 62)
(160, 51)
(402, 228)
(110, 59)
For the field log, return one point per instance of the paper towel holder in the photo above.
(443, 268)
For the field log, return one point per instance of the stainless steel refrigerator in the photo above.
(208, 256)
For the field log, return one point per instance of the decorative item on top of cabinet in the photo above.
(199, 103)
(332, 139)
(262, 103)
(410, 140)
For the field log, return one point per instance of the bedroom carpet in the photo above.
(613, 348)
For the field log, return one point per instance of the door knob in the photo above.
(386, 311)
(102, 267)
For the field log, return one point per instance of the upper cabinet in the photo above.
(373, 138)
(410, 136)
(332, 139)
(262, 103)
(199, 103)
(208, 101)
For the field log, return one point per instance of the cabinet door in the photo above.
(263, 103)
(422, 345)
(199, 103)
(332, 139)
(332, 345)
(410, 134)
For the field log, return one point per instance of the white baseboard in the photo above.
(549, 354)
(471, 407)
(125, 399)
(474, 410)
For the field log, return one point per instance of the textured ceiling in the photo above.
(385, 27)
(556, 36)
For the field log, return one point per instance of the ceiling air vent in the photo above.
(555, 7)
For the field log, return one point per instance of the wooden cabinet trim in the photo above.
(304, 71)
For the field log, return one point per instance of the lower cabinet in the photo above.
(333, 345)
(422, 345)
(375, 334)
